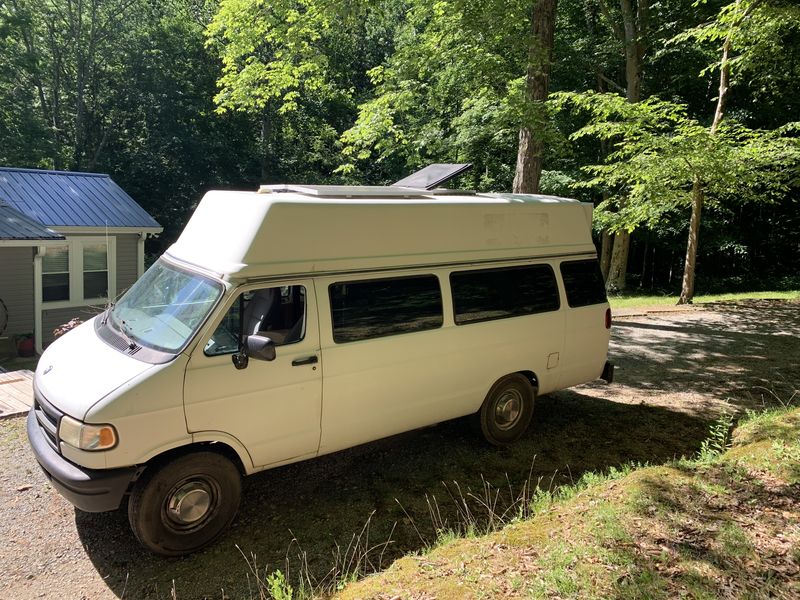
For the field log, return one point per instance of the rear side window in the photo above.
(583, 282)
(501, 293)
(379, 307)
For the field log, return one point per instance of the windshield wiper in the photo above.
(125, 331)
(106, 314)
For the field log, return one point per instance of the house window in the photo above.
(95, 271)
(55, 274)
(79, 272)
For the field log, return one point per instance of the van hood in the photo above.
(79, 369)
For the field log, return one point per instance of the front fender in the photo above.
(228, 440)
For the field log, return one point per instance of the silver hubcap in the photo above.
(508, 410)
(189, 503)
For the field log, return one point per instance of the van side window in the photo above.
(583, 282)
(379, 307)
(488, 294)
(277, 313)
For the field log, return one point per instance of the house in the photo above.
(68, 243)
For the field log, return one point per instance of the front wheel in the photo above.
(507, 410)
(185, 504)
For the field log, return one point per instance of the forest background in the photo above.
(659, 111)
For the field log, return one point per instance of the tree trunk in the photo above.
(633, 51)
(724, 79)
(537, 84)
(687, 287)
(698, 194)
(634, 28)
(264, 147)
(605, 253)
(644, 263)
(615, 282)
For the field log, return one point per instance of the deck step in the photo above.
(16, 393)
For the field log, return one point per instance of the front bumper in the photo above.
(91, 490)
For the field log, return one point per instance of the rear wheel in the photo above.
(507, 410)
(185, 504)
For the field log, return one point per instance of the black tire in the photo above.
(184, 505)
(507, 410)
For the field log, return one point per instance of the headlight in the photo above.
(86, 437)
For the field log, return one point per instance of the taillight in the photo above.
(608, 318)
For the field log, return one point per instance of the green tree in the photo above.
(537, 88)
(631, 28)
(662, 161)
(741, 24)
(65, 52)
(297, 67)
(453, 90)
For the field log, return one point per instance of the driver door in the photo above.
(272, 407)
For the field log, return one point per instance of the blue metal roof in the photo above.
(16, 226)
(68, 199)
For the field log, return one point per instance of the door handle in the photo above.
(308, 360)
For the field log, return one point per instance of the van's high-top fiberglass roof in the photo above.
(289, 230)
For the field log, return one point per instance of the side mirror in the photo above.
(259, 347)
(255, 346)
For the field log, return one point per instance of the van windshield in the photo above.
(165, 307)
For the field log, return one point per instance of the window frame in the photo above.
(383, 277)
(84, 270)
(567, 291)
(67, 272)
(75, 246)
(503, 268)
(229, 305)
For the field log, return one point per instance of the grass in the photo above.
(726, 524)
(634, 300)
(410, 481)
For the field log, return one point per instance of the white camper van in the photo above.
(300, 320)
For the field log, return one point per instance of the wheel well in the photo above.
(532, 379)
(217, 447)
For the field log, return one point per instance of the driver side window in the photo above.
(275, 312)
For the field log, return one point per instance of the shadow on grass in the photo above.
(324, 502)
(701, 541)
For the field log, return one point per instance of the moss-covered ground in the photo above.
(724, 525)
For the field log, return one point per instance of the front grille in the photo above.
(48, 417)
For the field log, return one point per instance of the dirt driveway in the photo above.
(676, 373)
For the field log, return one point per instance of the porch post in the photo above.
(39, 251)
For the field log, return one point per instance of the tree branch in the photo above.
(618, 32)
(610, 82)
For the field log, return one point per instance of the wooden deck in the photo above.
(16, 393)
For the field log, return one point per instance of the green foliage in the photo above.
(59, 58)
(270, 51)
(297, 69)
(754, 26)
(450, 92)
(278, 587)
(657, 152)
(718, 440)
(177, 97)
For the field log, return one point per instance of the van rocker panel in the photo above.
(87, 489)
